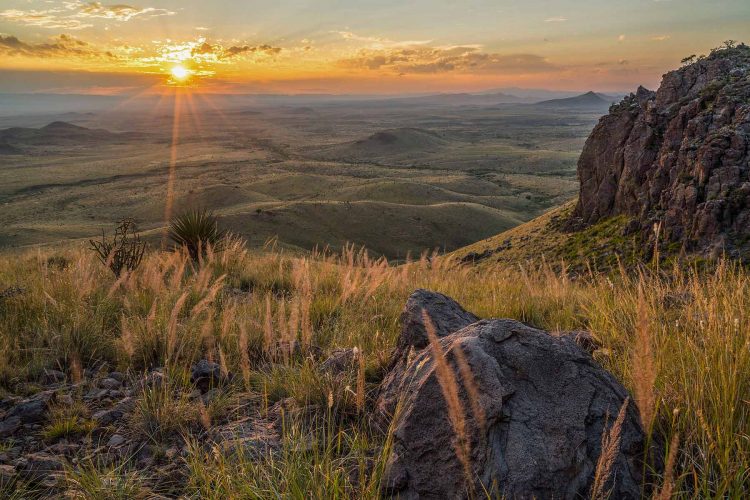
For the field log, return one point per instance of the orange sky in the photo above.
(329, 46)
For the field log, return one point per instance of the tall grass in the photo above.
(679, 340)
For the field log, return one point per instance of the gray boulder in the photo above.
(446, 316)
(534, 408)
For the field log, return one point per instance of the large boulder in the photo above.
(533, 407)
(678, 157)
(446, 316)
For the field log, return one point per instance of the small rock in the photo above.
(119, 376)
(95, 394)
(106, 417)
(205, 375)
(33, 410)
(9, 426)
(110, 384)
(116, 440)
(7, 474)
(36, 467)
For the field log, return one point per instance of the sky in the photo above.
(355, 46)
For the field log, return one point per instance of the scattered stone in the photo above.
(252, 438)
(116, 440)
(95, 394)
(120, 377)
(34, 409)
(7, 474)
(9, 426)
(110, 384)
(112, 415)
(36, 467)
(206, 375)
(533, 420)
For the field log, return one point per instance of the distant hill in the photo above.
(588, 100)
(59, 133)
(386, 143)
(8, 149)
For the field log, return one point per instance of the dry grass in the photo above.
(680, 341)
(609, 452)
(449, 387)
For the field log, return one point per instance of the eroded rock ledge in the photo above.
(678, 157)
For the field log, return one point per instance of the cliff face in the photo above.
(679, 156)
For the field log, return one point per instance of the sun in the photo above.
(180, 73)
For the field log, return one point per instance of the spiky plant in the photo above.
(196, 230)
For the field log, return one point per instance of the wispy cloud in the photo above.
(43, 19)
(424, 59)
(76, 15)
(377, 42)
(660, 38)
(557, 19)
(59, 46)
(118, 12)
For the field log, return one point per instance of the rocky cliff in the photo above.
(678, 158)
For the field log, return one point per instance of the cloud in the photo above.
(660, 38)
(421, 59)
(621, 38)
(207, 51)
(44, 19)
(76, 15)
(377, 42)
(59, 46)
(118, 12)
(558, 19)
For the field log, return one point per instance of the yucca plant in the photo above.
(196, 230)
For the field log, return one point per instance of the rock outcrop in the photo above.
(534, 407)
(678, 157)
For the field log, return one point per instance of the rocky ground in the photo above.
(108, 418)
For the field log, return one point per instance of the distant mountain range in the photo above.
(59, 104)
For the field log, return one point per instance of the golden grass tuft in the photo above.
(610, 448)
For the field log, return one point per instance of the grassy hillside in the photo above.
(63, 310)
(599, 247)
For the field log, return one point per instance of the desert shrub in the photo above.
(124, 251)
(196, 230)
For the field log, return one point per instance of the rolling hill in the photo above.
(385, 144)
(58, 133)
(589, 100)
